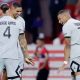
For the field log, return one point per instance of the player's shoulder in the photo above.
(20, 19)
(70, 21)
(70, 24)
(7, 18)
(76, 22)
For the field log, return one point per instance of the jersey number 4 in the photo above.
(7, 32)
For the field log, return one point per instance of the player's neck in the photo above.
(11, 15)
(67, 19)
(4, 15)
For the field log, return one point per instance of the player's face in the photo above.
(62, 18)
(17, 12)
(39, 43)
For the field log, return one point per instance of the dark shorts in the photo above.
(43, 74)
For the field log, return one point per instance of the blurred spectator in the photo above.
(6, 1)
(32, 16)
(55, 6)
(77, 10)
(36, 23)
(9, 1)
(71, 2)
(42, 54)
(71, 6)
(47, 22)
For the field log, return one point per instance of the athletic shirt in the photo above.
(9, 33)
(22, 22)
(42, 52)
(72, 29)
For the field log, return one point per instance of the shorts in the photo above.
(75, 64)
(42, 74)
(14, 67)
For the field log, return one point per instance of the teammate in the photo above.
(16, 10)
(71, 31)
(13, 29)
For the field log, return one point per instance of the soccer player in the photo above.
(42, 54)
(71, 31)
(9, 33)
(16, 10)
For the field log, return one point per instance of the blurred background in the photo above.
(41, 21)
(41, 17)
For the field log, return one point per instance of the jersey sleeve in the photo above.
(21, 26)
(67, 30)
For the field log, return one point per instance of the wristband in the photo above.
(65, 62)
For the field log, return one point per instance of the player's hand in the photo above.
(29, 61)
(62, 68)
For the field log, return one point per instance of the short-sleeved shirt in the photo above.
(71, 29)
(9, 33)
(22, 22)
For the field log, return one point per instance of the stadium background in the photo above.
(41, 20)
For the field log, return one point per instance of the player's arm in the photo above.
(67, 38)
(67, 31)
(66, 53)
(67, 49)
(23, 44)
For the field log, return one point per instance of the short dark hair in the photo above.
(4, 7)
(16, 4)
(63, 11)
